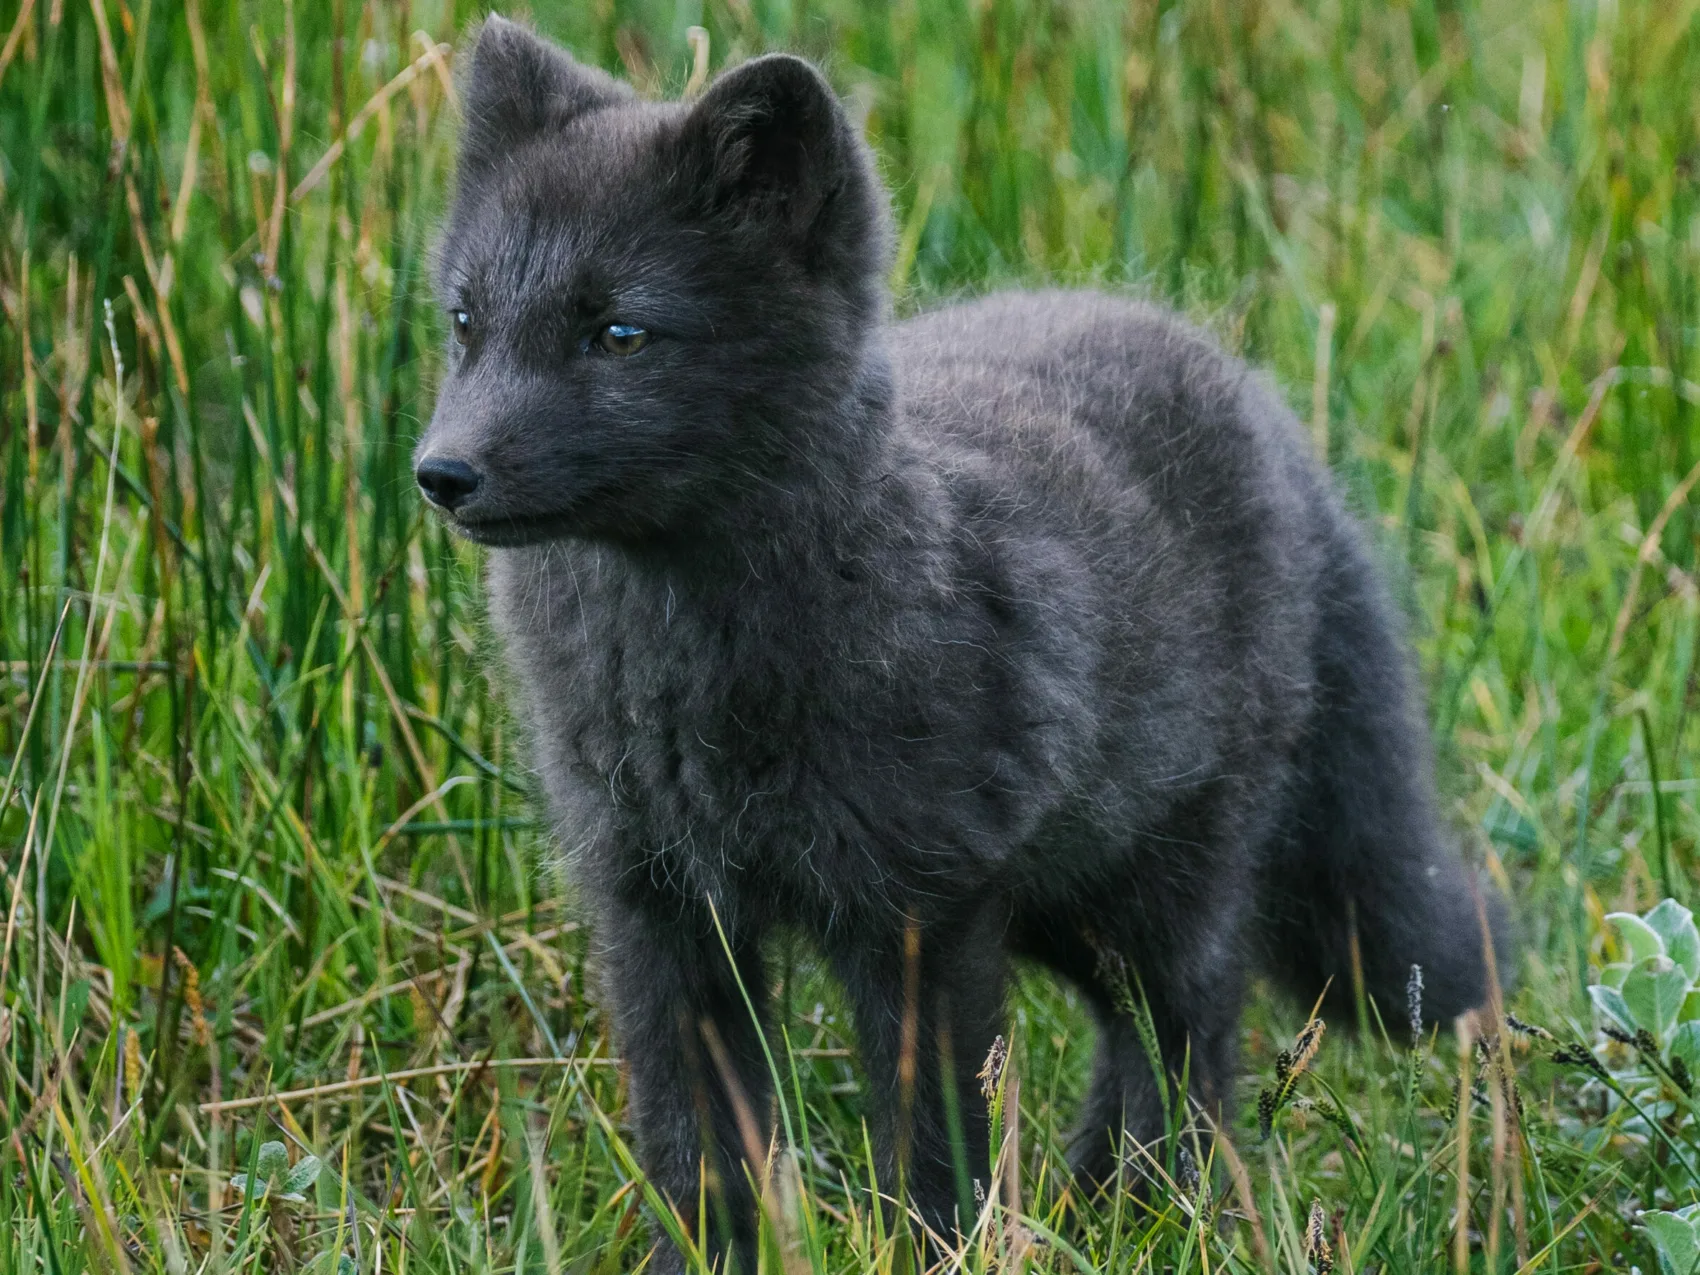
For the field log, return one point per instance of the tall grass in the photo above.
(262, 824)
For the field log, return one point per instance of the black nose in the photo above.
(447, 483)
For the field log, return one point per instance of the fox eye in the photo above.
(462, 325)
(621, 339)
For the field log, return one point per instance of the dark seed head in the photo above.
(1680, 1074)
(1187, 1171)
(1527, 1029)
(1316, 1240)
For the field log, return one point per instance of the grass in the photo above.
(262, 822)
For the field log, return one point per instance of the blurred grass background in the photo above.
(264, 825)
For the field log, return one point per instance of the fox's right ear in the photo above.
(521, 86)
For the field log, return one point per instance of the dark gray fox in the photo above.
(1028, 627)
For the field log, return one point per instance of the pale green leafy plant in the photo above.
(1648, 1004)
(1676, 1238)
(1649, 1000)
(275, 1179)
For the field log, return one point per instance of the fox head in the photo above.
(650, 304)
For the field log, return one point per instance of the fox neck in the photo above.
(829, 467)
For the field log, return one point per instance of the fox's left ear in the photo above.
(521, 86)
(770, 141)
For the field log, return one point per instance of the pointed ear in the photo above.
(770, 139)
(521, 86)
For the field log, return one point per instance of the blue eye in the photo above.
(621, 339)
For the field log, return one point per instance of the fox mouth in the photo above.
(508, 531)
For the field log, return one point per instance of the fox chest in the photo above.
(737, 800)
(667, 756)
(681, 762)
(700, 754)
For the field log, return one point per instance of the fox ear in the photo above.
(769, 137)
(521, 86)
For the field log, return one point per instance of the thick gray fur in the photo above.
(1027, 627)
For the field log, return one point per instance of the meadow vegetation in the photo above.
(270, 895)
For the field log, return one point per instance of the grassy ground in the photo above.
(262, 825)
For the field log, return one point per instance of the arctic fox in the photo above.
(1029, 627)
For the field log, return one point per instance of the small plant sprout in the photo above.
(275, 1179)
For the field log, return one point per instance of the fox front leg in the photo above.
(699, 1087)
(929, 999)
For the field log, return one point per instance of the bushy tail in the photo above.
(1363, 851)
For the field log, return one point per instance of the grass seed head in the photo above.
(1531, 1030)
(1305, 1047)
(1680, 1074)
(1414, 1004)
(1186, 1169)
(1266, 1109)
(192, 997)
(133, 1064)
(1316, 1240)
(991, 1072)
(1578, 1056)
